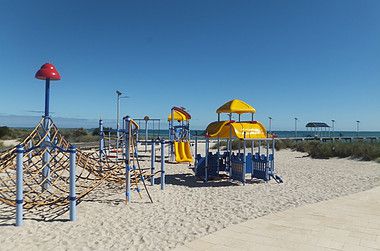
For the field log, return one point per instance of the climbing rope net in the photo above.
(46, 170)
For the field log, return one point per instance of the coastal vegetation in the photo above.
(71, 134)
(361, 150)
(7, 133)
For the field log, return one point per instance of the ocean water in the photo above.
(289, 134)
(280, 134)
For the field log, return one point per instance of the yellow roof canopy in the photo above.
(179, 114)
(241, 130)
(236, 106)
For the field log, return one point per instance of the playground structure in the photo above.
(150, 128)
(259, 164)
(128, 147)
(179, 135)
(45, 176)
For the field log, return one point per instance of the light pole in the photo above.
(270, 125)
(146, 118)
(118, 97)
(118, 94)
(357, 128)
(333, 127)
(295, 127)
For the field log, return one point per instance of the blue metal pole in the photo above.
(195, 152)
(244, 159)
(152, 161)
(101, 141)
(162, 164)
(253, 157)
(46, 156)
(273, 150)
(47, 97)
(146, 135)
(172, 137)
(19, 185)
(30, 152)
(206, 159)
(127, 130)
(72, 196)
(230, 148)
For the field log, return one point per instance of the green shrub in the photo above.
(13, 133)
(80, 132)
(323, 150)
(4, 131)
(316, 149)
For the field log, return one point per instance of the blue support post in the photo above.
(72, 195)
(244, 160)
(253, 158)
(46, 156)
(230, 148)
(172, 136)
(122, 139)
(273, 150)
(195, 153)
(19, 185)
(127, 159)
(162, 164)
(206, 159)
(47, 98)
(152, 162)
(146, 135)
(101, 141)
(30, 152)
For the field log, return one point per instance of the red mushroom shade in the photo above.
(48, 71)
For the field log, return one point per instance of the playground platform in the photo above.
(347, 223)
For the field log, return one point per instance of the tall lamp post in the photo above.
(333, 127)
(295, 126)
(357, 128)
(118, 97)
(270, 125)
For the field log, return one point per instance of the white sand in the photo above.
(10, 142)
(187, 210)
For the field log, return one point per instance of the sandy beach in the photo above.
(187, 209)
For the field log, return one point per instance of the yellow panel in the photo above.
(135, 124)
(188, 151)
(181, 152)
(179, 116)
(236, 106)
(252, 130)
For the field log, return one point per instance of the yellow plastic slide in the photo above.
(182, 151)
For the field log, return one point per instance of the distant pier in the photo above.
(332, 139)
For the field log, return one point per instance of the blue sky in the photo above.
(316, 60)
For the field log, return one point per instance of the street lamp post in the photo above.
(118, 94)
(270, 125)
(118, 97)
(295, 126)
(357, 128)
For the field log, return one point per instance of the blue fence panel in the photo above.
(249, 167)
(237, 170)
(212, 166)
(261, 167)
